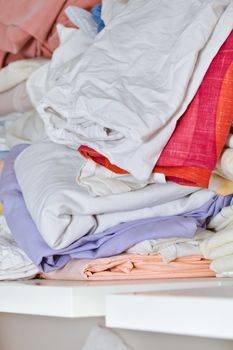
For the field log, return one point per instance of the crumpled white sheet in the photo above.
(111, 8)
(82, 19)
(179, 250)
(101, 338)
(137, 79)
(171, 248)
(73, 43)
(42, 75)
(219, 247)
(14, 263)
(102, 182)
(64, 211)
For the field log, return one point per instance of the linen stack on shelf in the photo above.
(119, 162)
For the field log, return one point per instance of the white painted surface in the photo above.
(79, 299)
(79, 303)
(206, 311)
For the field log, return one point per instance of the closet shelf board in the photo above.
(205, 311)
(79, 299)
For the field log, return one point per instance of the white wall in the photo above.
(23, 332)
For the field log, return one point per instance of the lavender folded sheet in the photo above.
(112, 241)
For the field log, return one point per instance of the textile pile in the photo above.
(116, 151)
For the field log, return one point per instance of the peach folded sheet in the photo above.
(132, 266)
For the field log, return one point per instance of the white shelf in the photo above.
(205, 311)
(79, 299)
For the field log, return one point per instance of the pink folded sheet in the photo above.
(132, 266)
(28, 27)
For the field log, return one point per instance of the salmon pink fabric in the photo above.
(192, 152)
(132, 266)
(28, 27)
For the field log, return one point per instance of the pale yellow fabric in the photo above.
(220, 185)
(1, 208)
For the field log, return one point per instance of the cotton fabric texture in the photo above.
(64, 211)
(18, 71)
(225, 164)
(28, 27)
(5, 123)
(130, 266)
(14, 263)
(219, 246)
(73, 43)
(112, 241)
(171, 248)
(27, 128)
(15, 100)
(102, 182)
(192, 152)
(223, 266)
(82, 19)
(125, 104)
